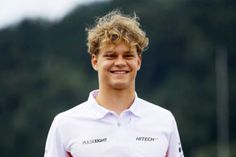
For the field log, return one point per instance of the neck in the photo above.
(116, 100)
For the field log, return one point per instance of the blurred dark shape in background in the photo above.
(45, 69)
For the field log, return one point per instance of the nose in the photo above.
(120, 61)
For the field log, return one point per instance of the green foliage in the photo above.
(45, 69)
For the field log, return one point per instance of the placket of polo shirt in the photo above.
(122, 125)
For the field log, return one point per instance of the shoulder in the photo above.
(78, 111)
(155, 110)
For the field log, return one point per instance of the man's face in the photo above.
(117, 66)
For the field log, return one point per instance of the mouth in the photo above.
(119, 71)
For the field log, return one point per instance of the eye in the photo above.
(109, 56)
(129, 56)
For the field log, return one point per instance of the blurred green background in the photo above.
(45, 69)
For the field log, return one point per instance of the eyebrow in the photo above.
(112, 52)
(108, 52)
(129, 52)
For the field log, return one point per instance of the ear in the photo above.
(94, 61)
(139, 61)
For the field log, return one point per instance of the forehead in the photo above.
(120, 46)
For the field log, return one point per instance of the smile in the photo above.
(119, 71)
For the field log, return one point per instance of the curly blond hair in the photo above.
(114, 27)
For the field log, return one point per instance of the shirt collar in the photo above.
(97, 111)
(137, 107)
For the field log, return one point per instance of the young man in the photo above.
(114, 121)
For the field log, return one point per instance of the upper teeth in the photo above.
(120, 72)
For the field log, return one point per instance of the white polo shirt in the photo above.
(89, 130)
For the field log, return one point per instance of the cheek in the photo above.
(105, 65)
(135, 64)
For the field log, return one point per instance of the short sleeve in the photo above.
(175, 148)
(54, 145)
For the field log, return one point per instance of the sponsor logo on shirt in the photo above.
(94, 141)
(146, 139)
(180, 150)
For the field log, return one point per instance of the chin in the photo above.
(120, 86)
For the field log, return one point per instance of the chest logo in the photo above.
(94, 141)
(146, 139)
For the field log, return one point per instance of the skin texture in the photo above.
(117, 66)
